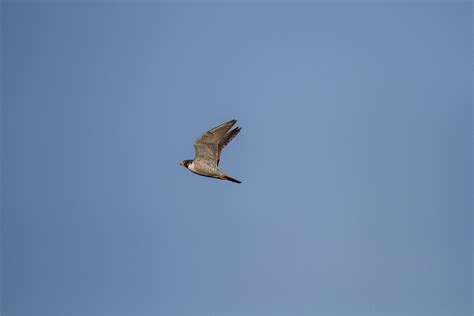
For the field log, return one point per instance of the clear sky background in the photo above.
(355, 157)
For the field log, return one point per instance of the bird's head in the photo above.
(185, 163)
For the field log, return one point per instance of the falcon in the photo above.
(208, 148)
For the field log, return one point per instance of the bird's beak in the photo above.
(181, 163)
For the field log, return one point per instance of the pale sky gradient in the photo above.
(355, 157)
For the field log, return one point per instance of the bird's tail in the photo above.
(231, 179)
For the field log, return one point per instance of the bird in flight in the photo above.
(208, 148)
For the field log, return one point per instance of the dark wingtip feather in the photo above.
(235, 130)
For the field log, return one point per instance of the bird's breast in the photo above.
(192, 167)
(204, 169)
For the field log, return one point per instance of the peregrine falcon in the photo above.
(208, 149)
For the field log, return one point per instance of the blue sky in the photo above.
(355, 157)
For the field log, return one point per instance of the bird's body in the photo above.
(208, 149)
(205, 170)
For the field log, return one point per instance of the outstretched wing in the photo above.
(227, 138)
(207, 146)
